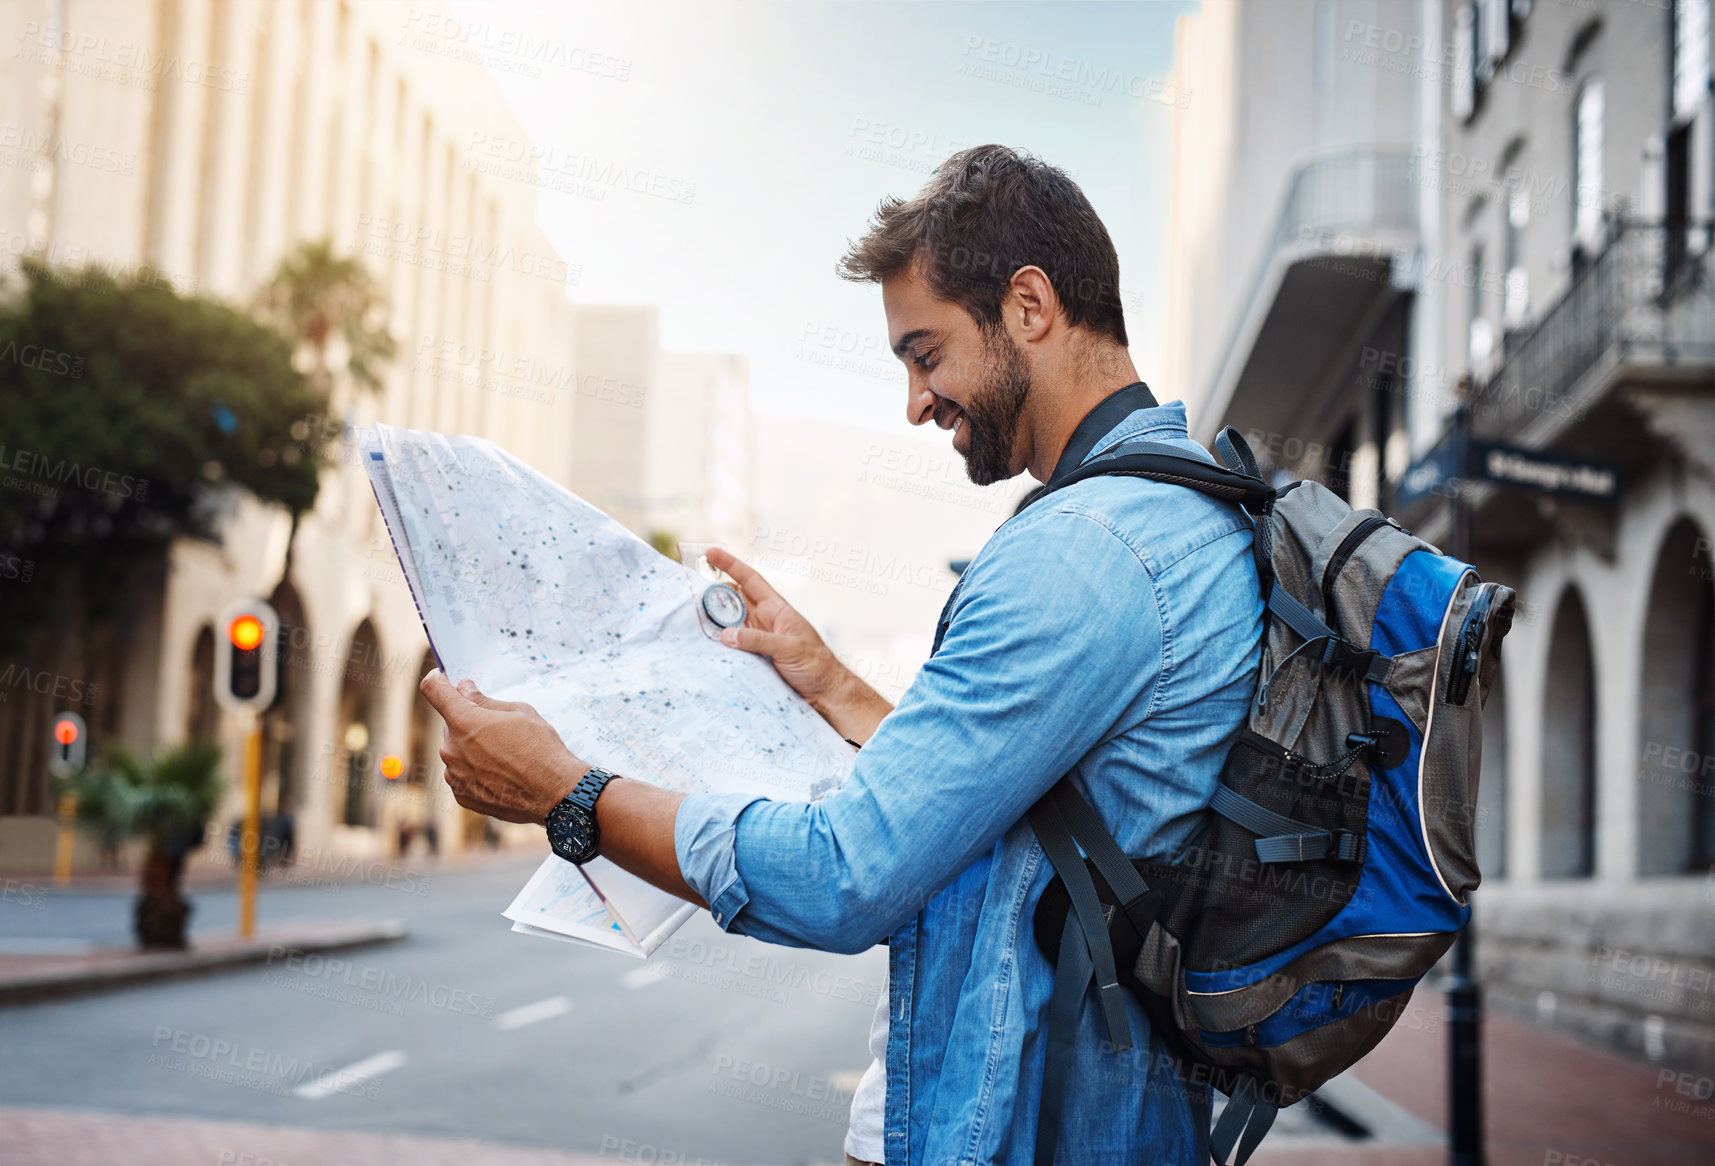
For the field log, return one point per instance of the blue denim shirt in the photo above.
(1113, 626)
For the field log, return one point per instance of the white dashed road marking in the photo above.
(531, 1013)
(644, 976)
(341, 1080)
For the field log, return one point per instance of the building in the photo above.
(228, 133)
(1507, 204)
(662, 440)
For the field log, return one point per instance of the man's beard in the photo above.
(993, 414)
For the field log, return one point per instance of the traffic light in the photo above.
(246, 672)
(70, 745)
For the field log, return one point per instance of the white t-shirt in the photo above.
(864, 1139)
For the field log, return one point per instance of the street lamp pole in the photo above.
(1464, 996)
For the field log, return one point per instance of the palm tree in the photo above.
(166, 800)
(315, 295)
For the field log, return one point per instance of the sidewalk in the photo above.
(25, 978)
(57, 1137)
(1547, 1100)
(206, 874)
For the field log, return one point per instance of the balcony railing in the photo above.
(1645, 298)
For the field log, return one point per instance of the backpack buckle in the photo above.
(1348, 657)
(1348, 847)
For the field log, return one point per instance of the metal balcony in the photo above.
(1341, 251)
(1645, 303)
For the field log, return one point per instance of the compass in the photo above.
(723, 605)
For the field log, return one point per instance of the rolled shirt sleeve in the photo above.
(1056, 636)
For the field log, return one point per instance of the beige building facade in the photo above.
(1508, 204)
(201, 141)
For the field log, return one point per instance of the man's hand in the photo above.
(502, 758)
(774, 629)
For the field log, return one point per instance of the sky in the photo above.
(715, 159)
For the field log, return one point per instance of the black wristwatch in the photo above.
(571, 824)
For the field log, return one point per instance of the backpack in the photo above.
(1331, 869)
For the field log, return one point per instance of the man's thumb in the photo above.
(471, 693)
(753, 640)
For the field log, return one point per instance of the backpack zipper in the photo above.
(1468, 648)
(1337, 562)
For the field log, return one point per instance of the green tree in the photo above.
(165, 800)
(122, 405)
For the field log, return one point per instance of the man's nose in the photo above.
(919, 399)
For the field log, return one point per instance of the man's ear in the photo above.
(1031, 304)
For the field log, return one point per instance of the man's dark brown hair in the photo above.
(986, 212)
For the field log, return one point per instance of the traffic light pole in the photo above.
(70, 750)
(250, 838)
(67, 839)
(1464, 996)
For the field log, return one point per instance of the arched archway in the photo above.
(282, 750)
(359, 704)
(1569, 745)
(202, 714)
(1676, 714)
(425, 729)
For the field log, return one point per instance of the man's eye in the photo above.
(923, 362)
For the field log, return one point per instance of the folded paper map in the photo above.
(537, 596)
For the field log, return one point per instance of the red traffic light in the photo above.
(246, 632)
(66, 732)
(392, 767)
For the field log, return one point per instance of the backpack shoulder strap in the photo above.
(1167, 463)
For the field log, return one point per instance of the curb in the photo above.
(75, 978)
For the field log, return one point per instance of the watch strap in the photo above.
(589, 788)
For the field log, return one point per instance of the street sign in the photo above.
(246, 675)
(1436, 474)
(1440, 471)
(1543, 471)
(69, 747)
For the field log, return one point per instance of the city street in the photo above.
(462, 1030)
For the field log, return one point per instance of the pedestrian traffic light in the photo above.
(246, 673)
(70, 745)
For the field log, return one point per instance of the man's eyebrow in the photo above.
(910, 338)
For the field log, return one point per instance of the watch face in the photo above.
(570, 833)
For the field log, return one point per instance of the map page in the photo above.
(537, 596)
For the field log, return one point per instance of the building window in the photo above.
(1587, 168)
(1322, 46)
(1568, 836)
(1689, 197)
(1464, 62)
(1479, 333)
(1691, 71)
(1515, 305)
(1492, 39)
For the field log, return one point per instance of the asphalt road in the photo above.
(720, 1048)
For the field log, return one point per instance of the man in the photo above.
(1112, 627)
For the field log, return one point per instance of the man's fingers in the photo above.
(447, 700)
(756, 589)
(753, 640)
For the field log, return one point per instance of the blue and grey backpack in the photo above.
(1332, 866)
